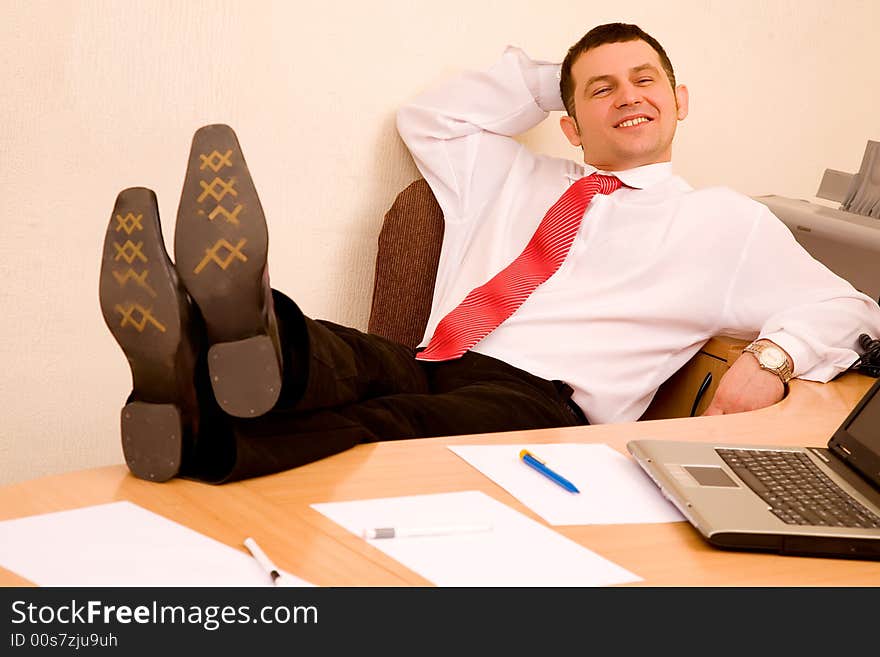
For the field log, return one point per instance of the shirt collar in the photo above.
(639, 177)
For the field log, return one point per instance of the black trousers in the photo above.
(343, 387)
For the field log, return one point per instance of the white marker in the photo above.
(278, 577)
(438, 530)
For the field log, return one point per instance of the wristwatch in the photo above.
(771, 358)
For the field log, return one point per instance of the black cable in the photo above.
(869, 362)
(703, 386)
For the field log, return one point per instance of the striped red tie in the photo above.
(485, 307)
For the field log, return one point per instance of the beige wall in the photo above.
(98, 96)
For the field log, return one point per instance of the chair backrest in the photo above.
(406, 265)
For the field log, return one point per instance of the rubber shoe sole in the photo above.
(147, 313)
(220, 246)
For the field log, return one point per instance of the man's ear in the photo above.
(570, 129)
(681, 101)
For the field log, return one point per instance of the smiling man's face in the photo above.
(626, 110)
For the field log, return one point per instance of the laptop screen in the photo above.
(865, 427)
(857, 440)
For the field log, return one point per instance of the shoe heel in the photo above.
(152, 440)
(245, 375)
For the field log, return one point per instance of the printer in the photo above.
(844, 239)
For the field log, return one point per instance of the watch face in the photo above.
(772, 358)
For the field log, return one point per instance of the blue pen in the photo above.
(530, 460)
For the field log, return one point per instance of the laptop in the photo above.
(808, 501)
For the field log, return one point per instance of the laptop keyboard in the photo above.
(798, 492)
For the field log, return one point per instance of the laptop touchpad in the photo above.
(709, 475)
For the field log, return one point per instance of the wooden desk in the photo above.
(275, 509)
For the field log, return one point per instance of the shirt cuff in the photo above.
(803, 358)
(542, 80)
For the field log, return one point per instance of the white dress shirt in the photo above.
(656, 269)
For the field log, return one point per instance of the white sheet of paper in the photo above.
(516, 552)
(121, 544)
(613, 488)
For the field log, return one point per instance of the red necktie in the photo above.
(485, 307)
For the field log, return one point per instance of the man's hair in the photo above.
(599, 36)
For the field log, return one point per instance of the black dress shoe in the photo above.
(220, 246)
(147, 311)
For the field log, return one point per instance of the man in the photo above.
(565, 291)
